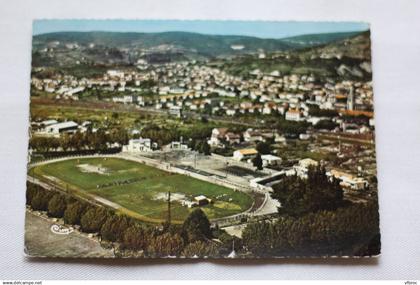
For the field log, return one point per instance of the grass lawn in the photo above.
(136, 187)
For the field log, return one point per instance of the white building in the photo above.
(138, 145)
(115, 73)
(270, 160)
(178, 146)
(175, 111)
(65, 127)
(303, 167)
(48, 123)
(202, 200)
(217, 134)
(293, 115)
(126, 99)
(251, 135)
(244, 154)
(348, 180)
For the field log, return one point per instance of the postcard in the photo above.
(201, 139)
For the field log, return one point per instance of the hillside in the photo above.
(318, 39)
(114, 48)
(348, 58)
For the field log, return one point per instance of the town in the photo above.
(336, 114)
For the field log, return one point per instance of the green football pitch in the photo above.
(140, 189)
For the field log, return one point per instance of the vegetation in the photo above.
(263, 148)
(201, 249)
(257, 162)
(300, 196)
(57, 205)
(79, 141)
(314, 220)
(196, 227)
(352, 230)
(73, 212)
(93, 219)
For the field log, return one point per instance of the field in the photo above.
(141, 189)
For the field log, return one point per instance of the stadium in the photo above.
(140, 190)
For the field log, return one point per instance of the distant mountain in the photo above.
(63, 48)
(356, 46)
(318, 39)
(348, 58)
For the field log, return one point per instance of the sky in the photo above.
(262, 29)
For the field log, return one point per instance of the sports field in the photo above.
(141, 189)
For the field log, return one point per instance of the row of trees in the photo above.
(130, 236)
(78, 141)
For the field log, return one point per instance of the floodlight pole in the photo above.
(169, 208)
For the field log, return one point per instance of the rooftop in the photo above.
(248, 151)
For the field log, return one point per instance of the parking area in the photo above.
(41, 240)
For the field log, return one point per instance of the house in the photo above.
(244, 154)
(304, 137)
(138, 145)
(126, 99)
(232, 138)
(175, 111)
(280, 139)
(178, 146)
(115, 73)
(348, 180)
(189, 204)
(270, 160)
(230, 112)
(202, 200)
(48, 123)
(303, 167)
(251, 135)
(293, 115)
(65, 127)
(217, 134)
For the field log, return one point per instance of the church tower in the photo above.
(350, 100)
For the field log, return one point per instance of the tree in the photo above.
(76, 141)
(228, 242)
(31, 191)
(135, 238)
(201, 249)
(196, 227)
(73, 213)
(93, 219)
(65, 141)
(166, 244)
(256, 237)
(205, 148)
(299, 196)
(325, 125)
(57, 206)
(263, 148)
(40, 200)
(114, 227)
(257, 162)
